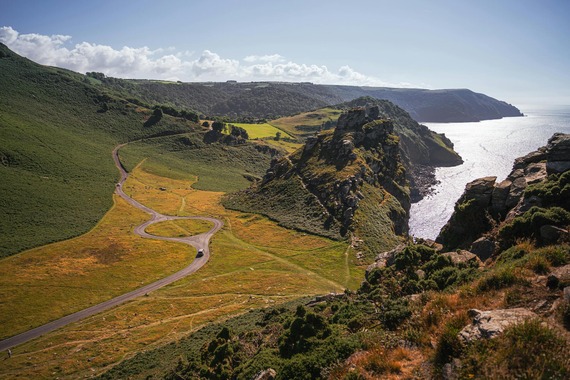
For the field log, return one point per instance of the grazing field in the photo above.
(216, 167)
(263, 130)
(254, 263)
(78, 273)
(307, 123)
(180, 228)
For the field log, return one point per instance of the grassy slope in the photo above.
(260, 130)
(306, 123)
(254, 263)
(56, 169)
(218, 167)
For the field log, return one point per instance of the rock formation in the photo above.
(540, 180)
(489, 324)
(350, 180)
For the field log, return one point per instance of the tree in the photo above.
(157, 113)
(218, 126)
(277, 136)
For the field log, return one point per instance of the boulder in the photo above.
(551, 234)
(450, 371)
(421, 274)
(462, 257)
(483, 248)
(268, 374)
(432, 244)
(557, 166)
(535, 173)
(481, 190)
(489, 324)
(386, 258)
(515, 192)
(499, 196)
(559, 277)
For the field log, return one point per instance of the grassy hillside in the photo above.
(218, 167)
(307, 123)
(272, 99)
(262, 130)
(56, 136)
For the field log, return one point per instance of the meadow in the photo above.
(261, 130)
(255, 263)
(307, 123)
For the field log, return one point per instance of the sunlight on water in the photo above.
(488, 149)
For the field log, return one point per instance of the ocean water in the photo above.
(488, 148)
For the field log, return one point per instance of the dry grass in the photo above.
(380, 363)
(254, 263)
(49, 282)
(180, 227)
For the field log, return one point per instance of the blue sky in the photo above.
(513, 50)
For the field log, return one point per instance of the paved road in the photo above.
(198, 241)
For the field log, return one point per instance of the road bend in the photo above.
(200, 241)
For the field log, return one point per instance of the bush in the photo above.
(529, 350)
(394, 312)
(528, 224)
(557, 255)
(499, 279)
(448, 345)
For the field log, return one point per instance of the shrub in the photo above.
(557, 255)
(529, 350)
(499, 279)
(538, 264)
(448, 345)
(529, 223)
(394, 312)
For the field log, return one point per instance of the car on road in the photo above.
(200, 253)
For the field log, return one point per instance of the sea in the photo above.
(488, 148)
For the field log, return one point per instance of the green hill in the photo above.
(57, 132)
(275, 99)
(342, 182)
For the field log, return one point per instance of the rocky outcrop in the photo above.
(421, 149)
(385, 259)
(352, 177)
(268, 374)
(462, 257)
(489, 324)
(486, 204)
(559, 277)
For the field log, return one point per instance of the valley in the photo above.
(299, 197)
(252, 265)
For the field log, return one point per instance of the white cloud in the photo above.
(264, 58)
(129, 62)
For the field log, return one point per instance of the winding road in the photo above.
(198, 241)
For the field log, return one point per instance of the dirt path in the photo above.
(198, 242)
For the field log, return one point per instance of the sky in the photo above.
(513, 50)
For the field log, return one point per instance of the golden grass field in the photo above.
(254, 263)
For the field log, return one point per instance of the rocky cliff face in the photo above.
(536, 194)
(421, 149)
(350, 181)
